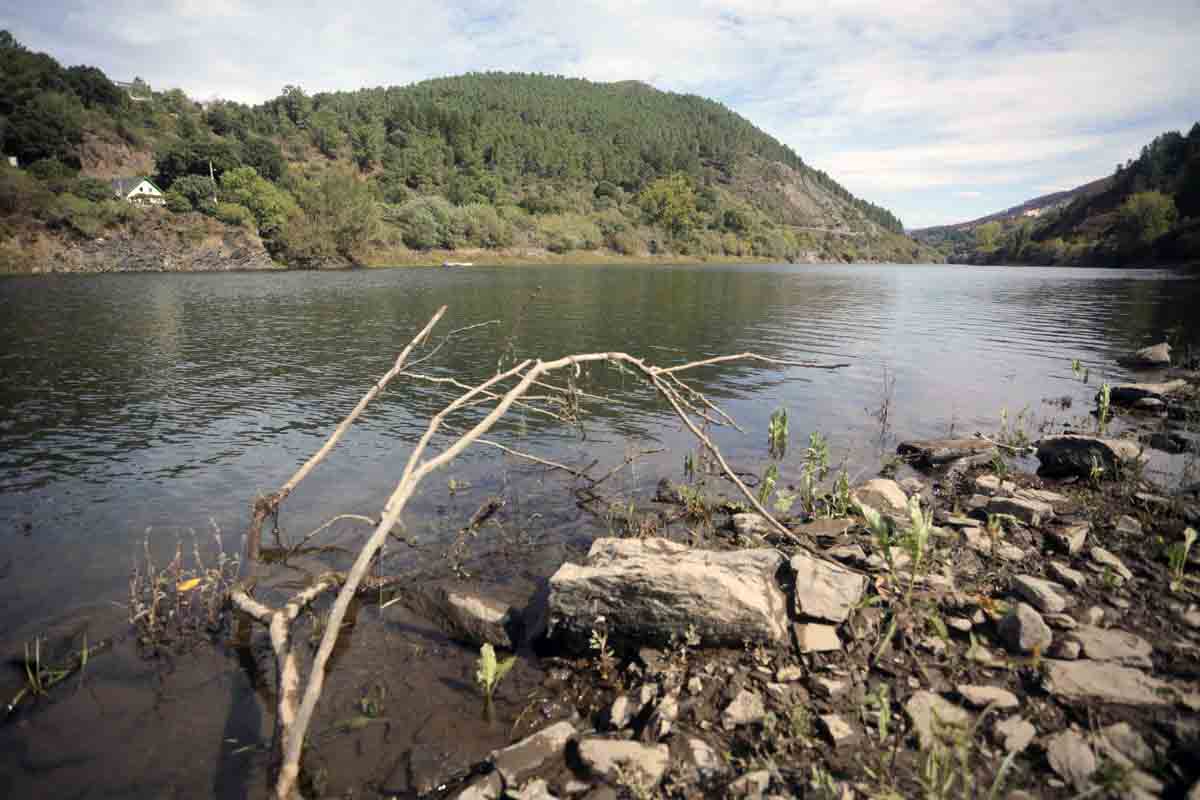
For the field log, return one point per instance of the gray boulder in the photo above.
(466, 616)
(650, 590)
(825, 590)
(605, 757)
(1023, 630)
(1074, 455)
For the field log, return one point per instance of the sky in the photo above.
(941, 112)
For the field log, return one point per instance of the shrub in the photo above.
(234, 214)
(20, 193)
(270, 205)
(196, 189)
(178, 202)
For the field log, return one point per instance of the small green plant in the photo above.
(816, 455)
(689, 466)
(1177, 557)
(1096, 473)
(489, 672)
(767, 484)
(598, 642)
(840, 502)
(1000, 465)
(777, 433)
(916, 540)
(1105, 406)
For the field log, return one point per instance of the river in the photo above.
(146, 407)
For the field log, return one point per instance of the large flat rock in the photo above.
(825, 590)
(1126, 394)
(1074, 455)
(649, 590)
(1106, 682)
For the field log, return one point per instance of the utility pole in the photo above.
(212, 178)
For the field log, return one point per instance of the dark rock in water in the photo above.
(668, 492)
(650, 590)
(933, 452)
(1172, 442)
(1075, 455)
(1158, 355)
(1129, 394)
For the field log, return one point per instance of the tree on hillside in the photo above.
(270, 205)
(339, 218)
(1144, 217)
(987, 237)
(1187, 197)
(48, 125)
(671, 202)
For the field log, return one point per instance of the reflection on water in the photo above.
(165, 401)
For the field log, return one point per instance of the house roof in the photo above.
(126, 185)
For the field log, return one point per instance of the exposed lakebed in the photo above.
(167, 401)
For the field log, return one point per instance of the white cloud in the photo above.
(905, 103)
(970, 195)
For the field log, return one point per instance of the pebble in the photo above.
(745, 709)
(813, 637)
(1023, 630)
(1042, 594)
(838, 730)
(1071, 757)
(983, 696)
(1128, 526)
(1104, 558)
(1015, 733)
(1093, 616)
(1067, 576)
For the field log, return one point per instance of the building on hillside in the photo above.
(12, 161)
(138, 90)
(138, 190)
(1032, 212)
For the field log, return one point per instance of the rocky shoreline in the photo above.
(966, 632)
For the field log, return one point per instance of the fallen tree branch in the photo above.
(295, 712)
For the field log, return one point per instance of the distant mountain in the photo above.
(1147, 212)
(518, 165)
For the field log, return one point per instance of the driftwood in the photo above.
(503, 390)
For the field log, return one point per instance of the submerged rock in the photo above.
(933, 452)
(649, 590)
(467, 617)
(1075, 455)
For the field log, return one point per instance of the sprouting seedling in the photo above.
(1177, 556)
(1096, 472)
(777, 433)
(1105, 400)
(489, 672)
(769, 479)
(816, 457)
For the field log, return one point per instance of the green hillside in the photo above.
(510, 164)
(1147, 212)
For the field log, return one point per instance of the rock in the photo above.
(1014, 733)
(932, 716)
(1127, 394)
(1108, 644)
(825, 590)
(1042, 594)
(659, 724)
(1031, 512)
(467, 617)
(829, 688)
(518, 761)
(789, 674)
(653, 590)
(1103, 558)
(488, 787)
(695, 685)
(707, 761)
(1172, 442)
(826, 528)
(992, 485)
(960, 624)
(983, 544)
(1122, 744)
(1072, 455)
(668, 492)
(883, 495)
(848, 553)
(1072, 578)
(1128, 526)
(1158, 355)
(1154, 502)
(1105, 681)
(1023, 630)
(912, 486)
(1042, 496)
(983, 696)
(1069, 538)
(620, 713)
(751, 785)
(752, 525)
(604, 757)
(1071, 757)
(1064, 649)
(812, 637)
(934, 452)
(1062, 622)
(746, 708)
(1093, 615)
(836, 728)
(534, 790)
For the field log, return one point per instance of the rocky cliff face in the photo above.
(159, 242)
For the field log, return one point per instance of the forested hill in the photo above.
(1147, 212)
(520, 165)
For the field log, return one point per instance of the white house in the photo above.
(138, 190)
(12, 160)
